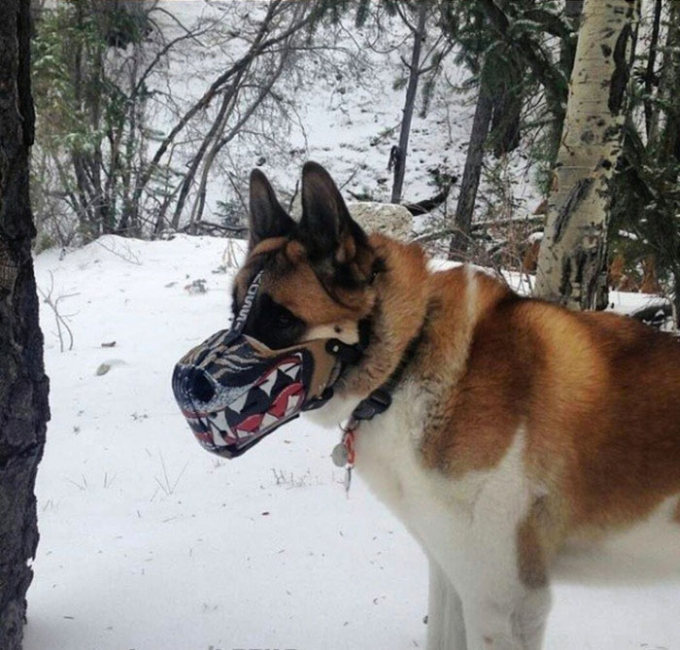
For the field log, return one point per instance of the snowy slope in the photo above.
(344, 113)
(150, 543)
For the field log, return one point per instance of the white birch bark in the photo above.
(572, 258)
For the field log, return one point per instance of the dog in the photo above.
(518, 441)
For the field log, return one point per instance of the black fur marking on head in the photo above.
(273, 324)
(269, 322)
(365, 328)
(347, 277)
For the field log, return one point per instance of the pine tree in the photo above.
(646, 198)
(504, 45)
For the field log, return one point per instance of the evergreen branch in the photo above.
(536, 58)
(551, 23)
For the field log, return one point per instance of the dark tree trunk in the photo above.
(573, 9)
(676, 297)
(651, 68)
(23, 384)
(399, 155)
(471, 173)
(507, 118)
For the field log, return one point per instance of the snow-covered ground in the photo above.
(150, 543)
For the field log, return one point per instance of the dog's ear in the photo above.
(326, 227)
(267, 217)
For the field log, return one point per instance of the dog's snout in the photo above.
(193, 383)
(199, 386)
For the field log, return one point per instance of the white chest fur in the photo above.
(467, 525)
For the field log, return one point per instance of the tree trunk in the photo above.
(23, 385)
(668, 147)
(675, 276)
(399, 156)
(572, 258)
(650, 111)
(506, 121)
(472, 172)
(669, 136)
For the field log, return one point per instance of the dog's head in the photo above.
(302, 303)
(317, 275)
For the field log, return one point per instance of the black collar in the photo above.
(381, 398)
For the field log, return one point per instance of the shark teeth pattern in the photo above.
(239, 403)
(294, 403)
(291, 369)
(268, 420)
(264, 405)
(268, 383)
(218, 437)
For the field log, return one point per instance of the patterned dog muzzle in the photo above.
(234, 390)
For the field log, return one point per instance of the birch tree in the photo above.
(572, 258)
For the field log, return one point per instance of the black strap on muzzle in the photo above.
(239, 323)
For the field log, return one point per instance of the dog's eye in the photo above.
(273, 324)
(285, 320)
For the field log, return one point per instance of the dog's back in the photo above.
(518, 432)
(596, 396)
(529, 442)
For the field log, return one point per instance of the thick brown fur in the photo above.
(597, 395)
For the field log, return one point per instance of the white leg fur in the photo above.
(488, 617)
(497, 622)
(530, 618)
(445, 623)
(468, 527)
(500, 612)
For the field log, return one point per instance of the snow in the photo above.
(148, 542)
(344, 113)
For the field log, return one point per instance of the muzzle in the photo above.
(234, 390)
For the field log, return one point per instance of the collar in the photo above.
(381, 398)
(376, 403)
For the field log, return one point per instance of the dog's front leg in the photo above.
(531, 616)
(489, 625)
(511, 617)
(445, 623)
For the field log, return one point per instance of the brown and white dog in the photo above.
(523, 440)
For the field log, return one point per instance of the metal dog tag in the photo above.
(340, 455)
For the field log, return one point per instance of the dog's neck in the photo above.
(442, 309)
(397, 318)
